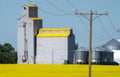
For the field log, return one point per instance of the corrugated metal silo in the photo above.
(110, 56)
(102, 56)
(113, 46)
(96, 56)
(81, 55)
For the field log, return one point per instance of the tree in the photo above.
(0, 48)
(7, 48)
(7, 54)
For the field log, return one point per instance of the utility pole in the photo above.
(90, 34)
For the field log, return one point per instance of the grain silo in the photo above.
(96, 55)
(107, 57)
(27, 29)
(110, 57)
(102, 55)
(114, 46)
(55, 46)
(81, 55)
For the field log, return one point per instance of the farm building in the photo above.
(42, 45)
(55, 46)
(27, 28)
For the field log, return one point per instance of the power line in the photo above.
(54, 14)
(111, 23)
(55, 6)
(90, 37)
(99, 38)
(94, 35)
(71, 4)
(104, 28)
(58, 8)
(83, 23)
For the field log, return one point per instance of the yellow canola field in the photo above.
(38, 70)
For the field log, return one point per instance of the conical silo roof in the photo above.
(113, 44)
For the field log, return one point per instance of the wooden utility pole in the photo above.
(90, 45)
(90, 35)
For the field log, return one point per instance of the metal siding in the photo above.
(81, 56)
(96, 56)
(32, 28)
(60, 51)
(71, 48)
(43, 51)
(25, 11)
(117, 56)
(51, 50)
(30, 37)
(29, 11)
(20, 38)
(33, 12)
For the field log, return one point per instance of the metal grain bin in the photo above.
(110, 57)
(81, 55)
(103, 55)
(98, 55)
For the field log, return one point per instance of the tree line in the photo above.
(8, 55)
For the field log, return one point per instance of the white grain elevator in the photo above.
(27, 29)
(37, 45)
(55, 46)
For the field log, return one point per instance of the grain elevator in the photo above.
(37, 45)
(55, 46)
(27, 29)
